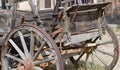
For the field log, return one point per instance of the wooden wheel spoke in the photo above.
(45, 60)
(39, 49)
(14, 58)
(103, 52)
(17, 49)
(23, 44)
(86, 63)
(108, 42)
(32, 44)
(15, 69)
(93, 61)
(100, 59)
(38, 68)
(87, 57)
(81, 54)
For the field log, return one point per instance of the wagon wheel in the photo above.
(28, 47)
(102, 55)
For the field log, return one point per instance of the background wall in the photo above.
(113, 15)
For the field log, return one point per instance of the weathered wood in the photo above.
(69, 53)
(4, 22)
(1, 41)
(83, 37)
(88, 6)
(66, 1)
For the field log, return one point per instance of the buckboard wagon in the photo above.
(46, 38)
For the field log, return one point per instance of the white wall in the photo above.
(95, 1)
(25, 5)
(0, 3)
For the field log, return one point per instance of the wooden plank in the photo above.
(69, 53)
(1, 40)
(66, 1)
(88, 6)
(83, 37)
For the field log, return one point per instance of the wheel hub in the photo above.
(89, 48)
(28, 65)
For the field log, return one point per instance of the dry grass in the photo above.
(84, 66)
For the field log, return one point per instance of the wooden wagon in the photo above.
(43, 39)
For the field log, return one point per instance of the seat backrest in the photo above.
(70, 2)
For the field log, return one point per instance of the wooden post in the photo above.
(91, 1)
(95, 1)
